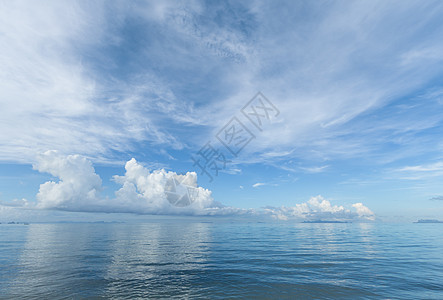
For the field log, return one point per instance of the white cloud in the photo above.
(333, 72)
(79, 186)
(320, 76)
(145, 192)
(16, 203)
(318, 208)
(142, 191)
(419, 172)
(53, 96)
(314, 169)
(44, 83)
(258, 184)
(363, 211)
(438, 166)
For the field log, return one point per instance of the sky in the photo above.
(287, 110)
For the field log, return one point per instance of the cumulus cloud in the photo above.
(79, 188)
(363, 211)
(148, 192)
(318, 208)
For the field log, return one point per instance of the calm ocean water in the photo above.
(221, 260)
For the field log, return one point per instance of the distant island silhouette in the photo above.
(322, 221)
(428, 221)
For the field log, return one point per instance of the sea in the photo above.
(221, 260)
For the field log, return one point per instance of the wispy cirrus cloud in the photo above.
(62, 85)
(418, 172)
(331, 67)
(435, 167)
(258, 184)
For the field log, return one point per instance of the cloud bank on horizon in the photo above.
(143, 192)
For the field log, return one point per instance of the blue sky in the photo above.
(88, 85)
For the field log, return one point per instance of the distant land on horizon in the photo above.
(429, 221)
(322, 221)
